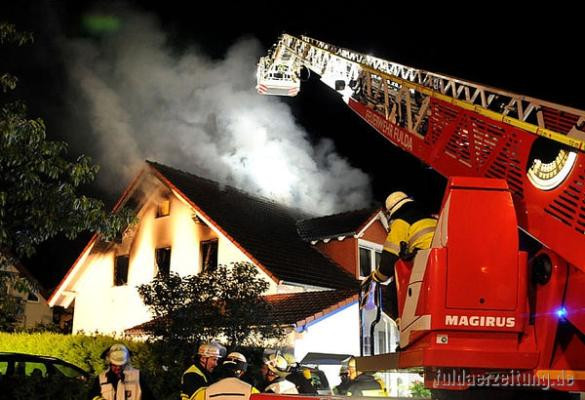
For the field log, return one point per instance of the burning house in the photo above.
(188, 224)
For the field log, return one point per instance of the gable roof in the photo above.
(330, 226)
(263, 229)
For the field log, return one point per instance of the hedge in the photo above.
(161, 365)
(81, 350)
(162, 362)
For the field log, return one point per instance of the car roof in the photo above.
(35, 357)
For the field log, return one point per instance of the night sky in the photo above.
(533, 51)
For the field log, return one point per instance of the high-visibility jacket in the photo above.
(193, 379)
(226, 389)
(366, 385)
(409, 230)
(281, 386)
(126, 389)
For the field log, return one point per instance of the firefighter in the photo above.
(299, 375)
(274, 370)
(341, 389)
(120, 381)
(409, 230)
(198, 374)
(363, 384)
(230, 385)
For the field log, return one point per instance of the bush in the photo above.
(85, 352)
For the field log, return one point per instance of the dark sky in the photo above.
(530, 51)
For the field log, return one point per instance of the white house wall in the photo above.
(337, 333)
(101, 306)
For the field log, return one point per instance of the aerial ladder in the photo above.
(473, 304)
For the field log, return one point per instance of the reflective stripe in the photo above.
(199, 394)
(229, 388)
(379, 277)
(193, 369)
(419, 234)
(127, 388)
(391, 247)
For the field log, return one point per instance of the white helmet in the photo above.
(209, 350)
(234, 355)
(118, 354)
(236, 361)
(396, 200)
(277, 364)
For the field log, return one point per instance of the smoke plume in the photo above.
(145, 100)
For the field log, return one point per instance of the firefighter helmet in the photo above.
(209, 350)
(396, 200)
(276, 363)
(236, 361)
(118, 355)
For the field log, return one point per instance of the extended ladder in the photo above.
(462, 128)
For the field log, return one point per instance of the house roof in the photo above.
(296, 309)
(265, 230)
(301, 308)
(343, 224)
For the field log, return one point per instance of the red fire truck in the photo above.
(476, 313)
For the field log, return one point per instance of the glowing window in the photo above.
(163, 208)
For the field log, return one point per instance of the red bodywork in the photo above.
(482, 312)
(478, 270)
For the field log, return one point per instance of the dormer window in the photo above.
(370, 255)
(163, 208)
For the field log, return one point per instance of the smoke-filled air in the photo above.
(145, 100)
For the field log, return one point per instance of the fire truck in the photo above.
(476, 311)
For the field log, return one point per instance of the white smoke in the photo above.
(203, 116)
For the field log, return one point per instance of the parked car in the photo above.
(35, 366)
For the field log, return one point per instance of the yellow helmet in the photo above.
(396, 200)
(277, 364)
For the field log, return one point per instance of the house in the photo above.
(188, 224)
(36, 309)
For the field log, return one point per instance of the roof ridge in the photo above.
(293, 210)
(372, 209)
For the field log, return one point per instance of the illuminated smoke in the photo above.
(144, 100)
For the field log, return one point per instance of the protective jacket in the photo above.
(130, 386)
(281, 386)
(410, 229)
(366, 385)
(192, 380)
(226, 389)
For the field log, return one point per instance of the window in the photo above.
(121, 271)
(365, 262)
(163, 260)
(369, 260)
(32, 297)
(163, 208)
(209, 255)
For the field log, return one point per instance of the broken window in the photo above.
(121, 271)
(209, 255)
(163, 260)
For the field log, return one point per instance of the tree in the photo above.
(39, 189)
(227, 303)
